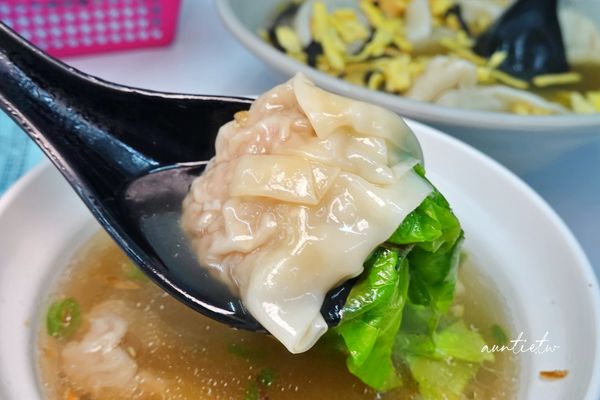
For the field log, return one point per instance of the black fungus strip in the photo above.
(313, 50)
(273, 39)
(286, 15)
(457, 11)
(365, 43)
(368, 76)
(281, 19)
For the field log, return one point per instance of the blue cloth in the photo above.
(18, 153)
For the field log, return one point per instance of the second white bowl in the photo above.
(523, 143)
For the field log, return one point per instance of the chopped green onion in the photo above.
(63, 319)
(242, 351)
(257, 390)
(133, 272)
(252, 392)
(499, 335)
(267, 377)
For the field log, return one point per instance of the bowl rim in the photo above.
(411, 108)
(583, 265)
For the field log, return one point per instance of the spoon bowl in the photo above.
(131, 154)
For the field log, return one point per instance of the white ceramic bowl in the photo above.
(523, 143)
(518, 243)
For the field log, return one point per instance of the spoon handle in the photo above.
(51, 102)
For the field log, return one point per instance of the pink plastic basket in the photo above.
(71, 27)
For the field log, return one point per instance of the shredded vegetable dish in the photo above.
(423, 50)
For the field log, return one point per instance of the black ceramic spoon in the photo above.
(530, 34)
(130, 154)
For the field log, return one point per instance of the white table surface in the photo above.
(206, 59)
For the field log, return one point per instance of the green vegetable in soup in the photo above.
(397, 313)
(441, 380)
(372, 317)
(252, 393)
(133, 272)
(63, 318)
(458, 342)
(267, 377)
(499, 335)
(257, 390)
(243, 351)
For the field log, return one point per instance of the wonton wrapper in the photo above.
(303, 187)
(495, 98)
(442, 73)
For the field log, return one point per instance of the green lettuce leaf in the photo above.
(433, 276)
(397, 311)
(372, 316)
(457, 341)
(441, 380)
(436, 235)
(431, 226)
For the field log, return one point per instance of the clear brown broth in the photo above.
(202, 359)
